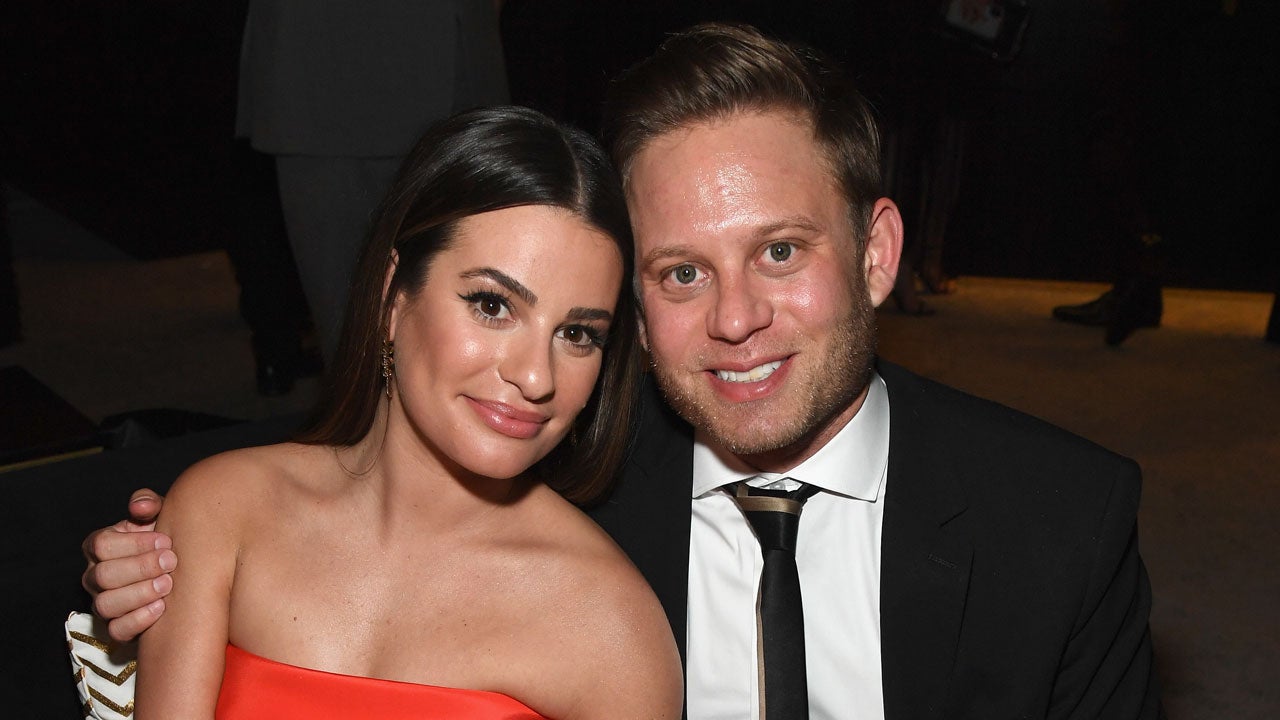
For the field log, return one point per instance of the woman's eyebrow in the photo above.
(504, 280)
(586, 314)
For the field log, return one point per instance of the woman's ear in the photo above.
(394, 302)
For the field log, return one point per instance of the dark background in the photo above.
(120, 116)
(48, 507)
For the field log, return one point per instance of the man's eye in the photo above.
(684, 274)
(780, 251)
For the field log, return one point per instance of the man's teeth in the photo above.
(755, 374)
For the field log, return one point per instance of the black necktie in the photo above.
(775, 517)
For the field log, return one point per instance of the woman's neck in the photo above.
(413, 482)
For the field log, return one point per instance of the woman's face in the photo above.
(500, 350)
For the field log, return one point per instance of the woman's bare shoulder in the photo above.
(577, 547)
(620, 629)
(240, 481)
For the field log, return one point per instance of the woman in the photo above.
(412, 533)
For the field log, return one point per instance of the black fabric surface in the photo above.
(48, 512)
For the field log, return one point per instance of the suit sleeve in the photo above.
(1107, 670)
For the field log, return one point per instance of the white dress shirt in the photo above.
(838, 556)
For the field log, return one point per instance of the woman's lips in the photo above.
(512, 422)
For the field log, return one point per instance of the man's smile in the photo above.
(755, 374)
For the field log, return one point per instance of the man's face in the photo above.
(757, 311)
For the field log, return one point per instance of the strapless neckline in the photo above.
(256, 687)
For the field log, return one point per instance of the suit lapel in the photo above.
(925, 560)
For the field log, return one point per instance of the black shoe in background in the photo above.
(1136, 303)
(1093, 313)
(1129, 305)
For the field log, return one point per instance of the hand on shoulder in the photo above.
(127, 568)
(128, 564)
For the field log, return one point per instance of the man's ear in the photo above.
(394, 302)
(884, 250)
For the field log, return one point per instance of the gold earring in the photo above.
(388, 364)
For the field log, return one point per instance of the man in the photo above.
(958, 559)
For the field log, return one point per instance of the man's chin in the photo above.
(747, 429)
(766, 433)
(756, 445)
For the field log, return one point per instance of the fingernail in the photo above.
(163, 542)
(156, 607)
(168, 561)
(162, 584)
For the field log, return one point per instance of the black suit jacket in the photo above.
(1011, 585)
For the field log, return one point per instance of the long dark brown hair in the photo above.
(476, 162)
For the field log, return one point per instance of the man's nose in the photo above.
(741, 308)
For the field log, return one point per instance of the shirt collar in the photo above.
(852, 464)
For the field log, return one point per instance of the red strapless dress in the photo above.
(254, 687)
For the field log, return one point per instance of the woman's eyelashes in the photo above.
(489, 306)
(583, 338)
(495, 309)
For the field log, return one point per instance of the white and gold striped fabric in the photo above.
(104, 669)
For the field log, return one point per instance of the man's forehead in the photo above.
(748, 158)
(729, 129)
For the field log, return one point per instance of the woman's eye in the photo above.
(580, 336)
(489, 306)
(780, 251)
(684, 274)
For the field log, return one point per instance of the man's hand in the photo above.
(128, 570)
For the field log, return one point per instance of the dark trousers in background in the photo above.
(271, 298)
(328, 203)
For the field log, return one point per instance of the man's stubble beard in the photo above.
(836, 383)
